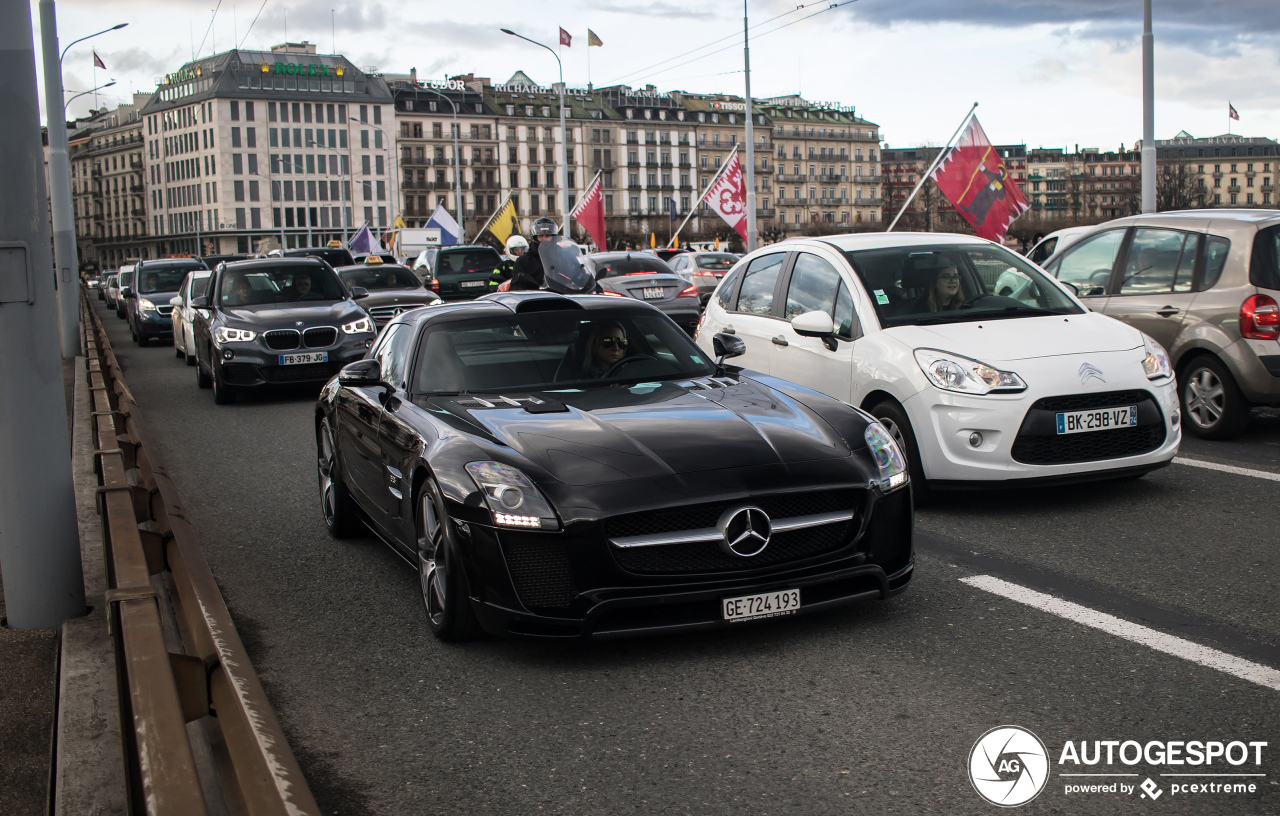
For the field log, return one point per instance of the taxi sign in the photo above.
(335, 245)
(372, 260)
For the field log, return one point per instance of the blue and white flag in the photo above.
(362, 242)
(449, 229)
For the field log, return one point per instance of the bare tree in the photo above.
(1177, 188)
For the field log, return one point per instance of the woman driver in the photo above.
(606, 345)
(944, 292)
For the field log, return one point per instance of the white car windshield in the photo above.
(953, 283)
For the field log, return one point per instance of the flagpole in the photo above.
(702, 197)
(936, 161)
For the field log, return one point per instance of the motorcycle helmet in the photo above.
(545, 226)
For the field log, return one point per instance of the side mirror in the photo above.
(199, 302)
(727, 345)
(359, 292)
(1075, 290)
(361, 374)
(175, 302)
(813, 324)
(128, 293)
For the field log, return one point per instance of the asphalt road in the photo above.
(871, 710)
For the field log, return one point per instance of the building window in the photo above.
(235, 111)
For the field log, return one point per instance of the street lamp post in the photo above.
(67, 104)
(457, 162)
(67, 274)
(564, 135)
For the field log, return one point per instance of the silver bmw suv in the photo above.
(1205, 284)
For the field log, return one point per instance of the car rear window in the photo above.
(630, 266)
(331, 255)
(466, 261)
(715, 260)
(1264, 268)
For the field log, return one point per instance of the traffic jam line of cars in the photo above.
(578, 467)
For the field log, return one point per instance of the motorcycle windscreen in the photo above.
(562, 265)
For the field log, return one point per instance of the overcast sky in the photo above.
(1052, 73)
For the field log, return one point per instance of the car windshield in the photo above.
(633, 265)
(161, 279)
(286, 284)
(474, 261)
(923, 285)
(380, 277)
(715, 260)
(548, 351)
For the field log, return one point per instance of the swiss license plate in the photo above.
(652, 292)
(305, 357)
(472, 284)
(767, 605)
(1101, 419)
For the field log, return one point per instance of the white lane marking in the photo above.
(1239, 471)
(1142, 635)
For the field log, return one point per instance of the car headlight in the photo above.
(146, 305)
(362, 326)
(1156, 361)
(511, 497)
(951, 372)
(889, 459)
(223, 335)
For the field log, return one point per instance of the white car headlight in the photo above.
(512, 497)
(951, 372)
(223, 335)
(362, 326)
(146, 305)
(1156, 361)
(889, 459)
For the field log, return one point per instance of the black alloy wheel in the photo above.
(335, 502)
(894, 419)
(222, 395)
(444, 587)
(1212, 405)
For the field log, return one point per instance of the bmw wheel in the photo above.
(444, 587)
(1212, 405)
(894, 419)
(335, 502)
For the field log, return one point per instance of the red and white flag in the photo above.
(589, 212)
(728, 197)
(565, 39)
(974, 179)
(1231, 111)
(97, 63)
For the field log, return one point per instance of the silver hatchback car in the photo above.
(1206, 285)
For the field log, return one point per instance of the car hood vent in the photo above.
(473, 402)
(708, 383)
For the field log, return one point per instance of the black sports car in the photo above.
(279, 320)
(564, 467)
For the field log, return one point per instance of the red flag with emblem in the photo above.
(565, 39)
(589, 212)
(728, 197)
(974, 178)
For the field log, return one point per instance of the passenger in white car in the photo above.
(944, 294)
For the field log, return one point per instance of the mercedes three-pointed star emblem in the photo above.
(744, 531)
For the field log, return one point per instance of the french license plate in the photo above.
(652, 292)
(767, 605)
(1102, 419)
(473, 284)
(305, 357)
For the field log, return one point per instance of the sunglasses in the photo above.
(610, 342)
(949, 277)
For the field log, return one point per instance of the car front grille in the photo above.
(320, 337)
(1038, 443)
(384, 314)
(281, 339)
(165, 310)
(707, 556)
(539, 570)
(298, 373)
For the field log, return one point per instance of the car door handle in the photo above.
(780, 341)
(1167, 311)
(729, 330)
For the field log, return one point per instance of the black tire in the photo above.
(336, 504)
(222, 395)
(441, 578)
(894, 418)
(203, 380)
(1211, 403)
(142, 339)
(177, 350)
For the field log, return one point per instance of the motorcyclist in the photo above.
(528, 273)
(517, 246)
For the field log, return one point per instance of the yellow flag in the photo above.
(399, 224)
(653, 240)
(675, 242)
(504, 222)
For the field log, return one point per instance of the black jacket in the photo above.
(528, 274)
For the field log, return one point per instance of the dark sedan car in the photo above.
(646, 277)
(147, 305)
(392, 290)
(279, 320)
(564, 467)
(464, 271)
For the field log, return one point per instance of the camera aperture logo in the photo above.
(1008, 766)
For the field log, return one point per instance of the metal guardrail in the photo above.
(200, 736)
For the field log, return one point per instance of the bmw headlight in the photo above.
(889, 459)
(146, 305)
(362, 326)
(951, 372)
(223, 335)
(1155, 363)
(512, 497)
